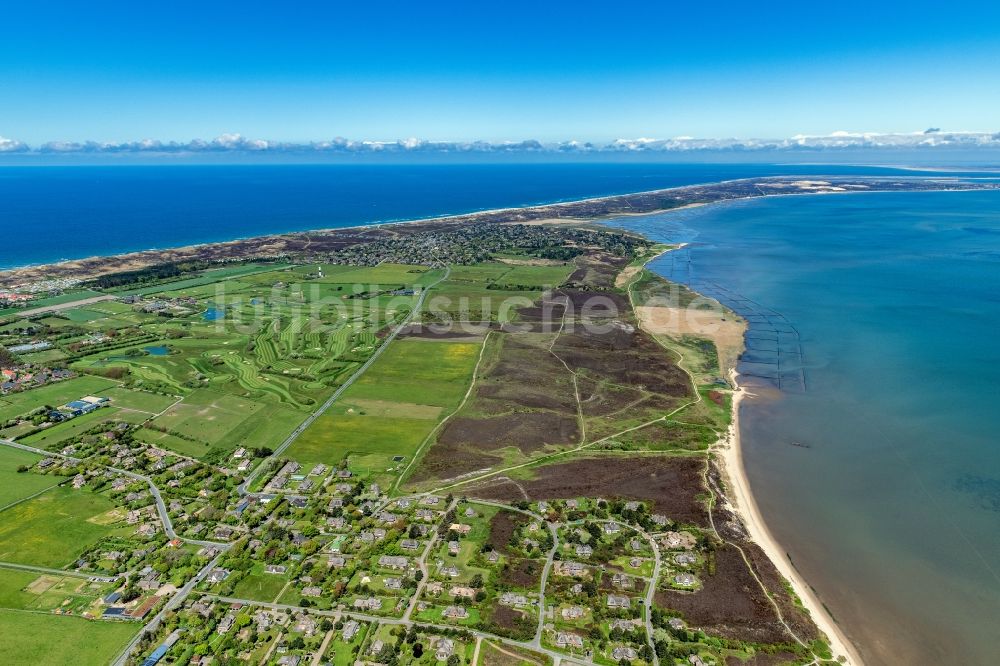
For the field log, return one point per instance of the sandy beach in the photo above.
(726, 329)
(743, 503)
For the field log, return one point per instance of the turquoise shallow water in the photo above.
(890, 502)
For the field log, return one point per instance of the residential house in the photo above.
(393, 562)
(351, 628)
(226, 624)
(618, 601)
(443, 648)
(455, 612)
(513, 599)
(462, 591)
(217, 575)
(624, 652)
(370, 604)
(565, 639)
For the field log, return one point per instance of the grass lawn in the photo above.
(475, 302)
(44, 357)
(537, 276)
(340, 653)
(68, 297)
(391, 409)
(52, 529)
(223, 422)
(15, 486)
(13, 592)
(142, 401)
(54, 395)
(170, 442)
(382, 274)
(419, 371)
(80, 315)
(492, 654)
(259, 585)
(207, 416)
(407, 410)
(369, 441)
(38, 638)
(480, 273)
(207, 278)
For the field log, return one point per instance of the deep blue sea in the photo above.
(879, 468)
(53, 213)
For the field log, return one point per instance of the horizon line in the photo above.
(930, 139)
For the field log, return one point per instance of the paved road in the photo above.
(536, 642)
(47, 570)
(65, 306)
(398, 621)
(651, 592)
(242, 489)
(174, 602)
(422, 563)
(161, 508)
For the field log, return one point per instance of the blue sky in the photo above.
(301, 71)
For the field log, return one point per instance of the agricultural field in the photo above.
(31, 638)
(53, 528)
(208, 423)
(381, 421)
(420, 372)
(15, 486)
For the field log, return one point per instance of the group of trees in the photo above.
(7, 358)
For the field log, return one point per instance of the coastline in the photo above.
(575, 211)
(740, 498)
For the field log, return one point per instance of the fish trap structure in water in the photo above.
(773, 350)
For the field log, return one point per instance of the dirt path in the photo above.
(318, 657)
(519, 657)
(427, 440)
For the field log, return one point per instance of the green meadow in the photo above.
(259, 585)
(16, 486)
(419, 371)
(207, 422)
(369, 442)
(391, 409)
(53, 528)
(29, 639)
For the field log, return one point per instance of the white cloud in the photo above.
(234, 142)
(11, 146)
